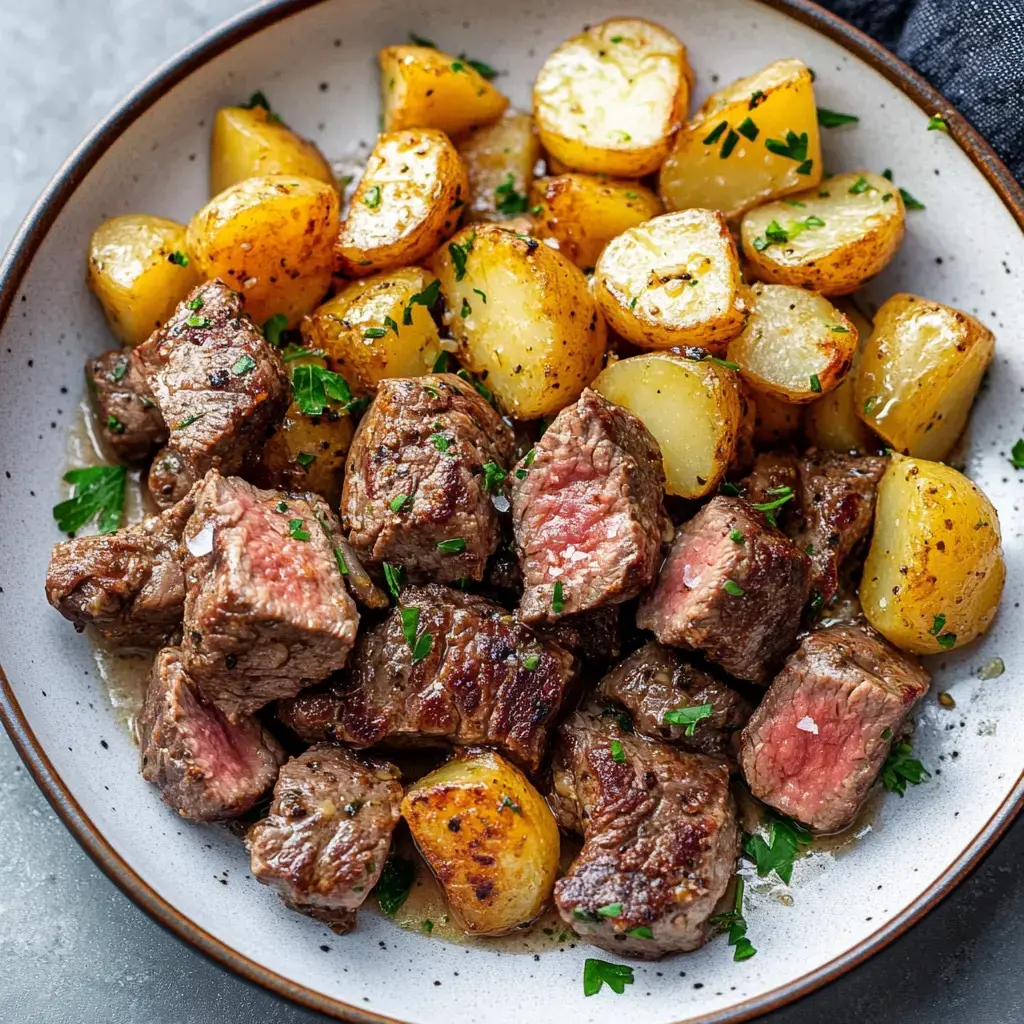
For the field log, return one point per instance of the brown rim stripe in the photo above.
(13, 269)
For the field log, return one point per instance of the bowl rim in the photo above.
(15, 265)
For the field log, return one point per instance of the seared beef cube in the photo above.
(205, 768)
(660, 838)
(595, 637)
(267, 612)
(328, 834)
(219, 385)
(733, 587)
(126, 415)
(416, 490)
(458, 669)
(129, 586)
(833, 510)
(656, 680)
(587, 510)
(816, 743)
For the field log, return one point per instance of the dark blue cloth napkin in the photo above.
(972, 51)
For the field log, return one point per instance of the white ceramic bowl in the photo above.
(150, 155)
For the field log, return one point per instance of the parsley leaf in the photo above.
(420, 41)
(394, 883)
(296, 530)
(393, 577)
(937, 123)
(427, 297)
(688, 716)
(460, 253)
(509, 201)
(314, 387)
(597, 973)
(372, 198)
(558, 598)
(794, 147)
(454, 546)
(531, 661)
(610, 910)
(736, 924)
(372, 333)
(900, 768)
(399, 501)
(273, 329)
(97, 493)
(494, 475)
(733, 588)
(178, 258)
(421, 645)
(815, 384)
(832, 119)
(785, 840)
(944, 640)
(483, 69)
(859, 186)
(244, 364)
(618, 754)
(1017, 454)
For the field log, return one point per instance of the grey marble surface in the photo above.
(72, 948)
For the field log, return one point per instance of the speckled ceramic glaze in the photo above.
(316, 62)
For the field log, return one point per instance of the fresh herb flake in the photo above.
(1017, 454)
(372, 197)
(716, 133)
(748, 129)
(374, 332)
(833, 119)
(733, 588)
(394, 883)
(274, 327)
(737, 536)
(399, 502)
(97, 493)
(454, 546)
(815, 384)
(178, 258)
(785, 840)
(509, 201)
(314, 387)
(305, 459)
(937, 123)
(618, 754)
(610, 910)
(393, 577)
(244, 364)
(494, 476)
(597, 973)
(428, 297)
(296, 530)
(900, 768)
(558, 598)
(689, 716)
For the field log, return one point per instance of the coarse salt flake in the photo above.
(808, 724)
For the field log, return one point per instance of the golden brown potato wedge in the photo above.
(796, 345)
(583, 213)
(754, 140)
(378, 327)
(499, 160)
(424, 88)
(610, 100)
(408, 202)
(831, 238)
(692, 407)
(523, 317)
(935, 571)
(775, 421)
(919, 373)
(139, 269)
(271, 239)
(673, 281)
(489, 839)
(249, 142)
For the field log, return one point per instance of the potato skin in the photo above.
(694, 408)
(424, 88)
(919, 373)
(778, 99)
(524, 319)
(673, 281)
(935, 553)
(489, 838)
(583, 213)
(408, 202)
(270, 239)
(862, 222)
(349, 326)
(490, 154)
(775, 420)
(610, 100)
(131, 273)
(248, 143)
(796, 345)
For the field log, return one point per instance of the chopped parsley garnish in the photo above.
(509, 201)
(419, 645)
(910, 202)
(782, 495)
(119, 371)
(196, 303)
(483, 69)
(394, 883)
(314, 387)
(633, 301)
(374, 332)
(460, 253)
(859, 186)
(756, 99)
(197, 321)
(244, 364)
(440, 442)
(944, 639)
(729, 145)
(292, 352)
(734, 922)
(305, 459)
(440, 365)
(393, 577)
(483, 295)
(282, 506)
(390, 324)
(618, 754)
(466, 310)
(494, 475)
(732, 587)
(482, 389)
(719, 362)
(558, 598)
(833, 119)
(296, 530)
(96, 493)
(640, 932)
(793, 148)
(838, 329)
(507, 802)
(785, 840)
(457, 66)
(937, 123)
(748, 129)
(188, 421)
(531, 661)
(689, 716)
(178, 258)
(114, 424)
(597, 973)
(427, 297)
(716, 133)
(610, 910)
(428, 925)
(420, 41)
(259, 99)
(815, 384)
(397, 503)
(372, 197)
(273, 329)
(730, 489)
(1017, 454)
(900, 768)
(793, 202)
(870, 404)
(737, 536)
(454, 546)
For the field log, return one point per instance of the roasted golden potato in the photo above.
(796, 345)
(140, 270)
(523, 317)
(832, 422)
(378, 327)
(935, 571)
(499, 160)
(919, 373)
(307, 453)
(754, 140)
(424, 88)
(583, 213)
(831, 238)
(775, 421)
(489, 839)
(408, 202)
(610, 100)
(692, 407)
(271, 239)
(248, 142)
(674, 281)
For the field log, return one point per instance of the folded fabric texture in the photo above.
(970, 50)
